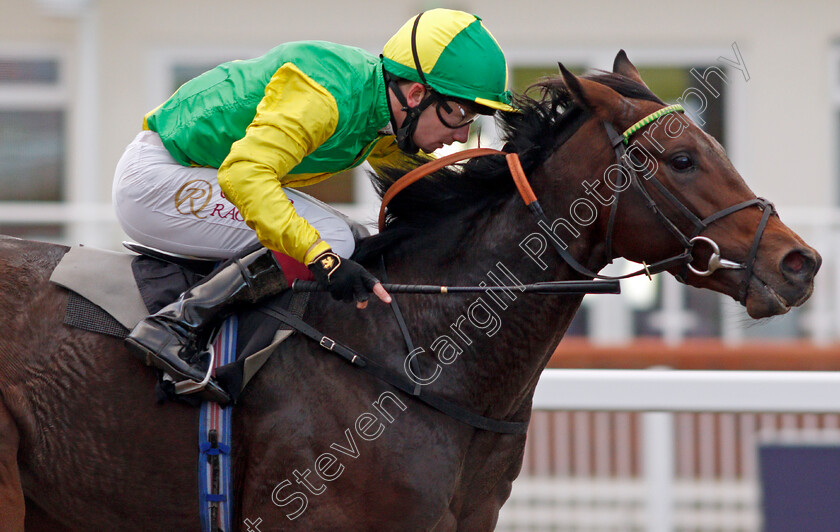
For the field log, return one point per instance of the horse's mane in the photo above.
(544, 121)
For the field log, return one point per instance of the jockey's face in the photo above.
(432, 133)
(438, 125)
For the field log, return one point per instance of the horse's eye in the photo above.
(682, 163)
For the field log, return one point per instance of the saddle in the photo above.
(110, 292)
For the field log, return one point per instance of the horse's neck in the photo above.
(504, 340)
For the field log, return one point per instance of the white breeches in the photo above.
(182, 209)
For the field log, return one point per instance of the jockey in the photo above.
(214, 171)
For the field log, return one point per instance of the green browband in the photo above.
(650, 118)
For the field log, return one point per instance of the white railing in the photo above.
(660, 493)
(688, 390)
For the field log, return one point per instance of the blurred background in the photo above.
(77, 76)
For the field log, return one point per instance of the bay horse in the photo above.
(318, 444)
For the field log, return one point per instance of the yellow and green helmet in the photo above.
(454, 54)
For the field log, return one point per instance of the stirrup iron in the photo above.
(187, 386)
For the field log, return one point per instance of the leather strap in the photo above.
(429, 168)
(768, 210)
(397, 381)
(283, 316)
(518, 174)
(409, 343)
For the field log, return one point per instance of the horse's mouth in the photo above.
(764, 301)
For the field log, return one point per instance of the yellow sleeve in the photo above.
(294, 118)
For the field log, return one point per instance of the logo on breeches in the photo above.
(198, 193)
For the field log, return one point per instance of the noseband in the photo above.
(619, 144)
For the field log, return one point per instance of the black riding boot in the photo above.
(175, 338)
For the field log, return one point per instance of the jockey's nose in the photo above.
(462, 133)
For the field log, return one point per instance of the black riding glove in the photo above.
(346, 280)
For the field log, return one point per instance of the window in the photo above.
(33, 151)
(32, 155)
(28, 71)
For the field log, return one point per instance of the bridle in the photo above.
(619, 143)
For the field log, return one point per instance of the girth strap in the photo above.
(406, 385)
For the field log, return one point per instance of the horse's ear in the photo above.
(598, 98)
(623, 66)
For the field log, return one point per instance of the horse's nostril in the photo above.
(794, 262)
(800, 264)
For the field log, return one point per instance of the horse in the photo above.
(320, 445)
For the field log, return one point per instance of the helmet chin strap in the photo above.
(405, 131)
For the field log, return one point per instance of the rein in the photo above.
(427, 169)
(528, 196)
(619, 144)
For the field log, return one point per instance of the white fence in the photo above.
(661, 450)
(610, 318)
